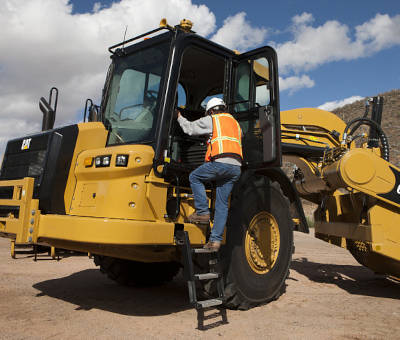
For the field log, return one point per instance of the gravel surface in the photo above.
(329, 296)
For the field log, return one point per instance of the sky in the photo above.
(329, 52)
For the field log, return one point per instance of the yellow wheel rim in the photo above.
(262, 242)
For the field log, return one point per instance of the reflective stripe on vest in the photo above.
(226, 140)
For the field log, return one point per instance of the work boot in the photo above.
(212, 245)
(195, 218)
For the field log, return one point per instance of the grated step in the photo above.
(206, 276)
(204, 251)
(199, 222)
(209, 303)
(187, 196)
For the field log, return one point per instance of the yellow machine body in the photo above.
(120, 211)
(357, 191)
(113, 211)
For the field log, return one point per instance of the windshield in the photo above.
(133, 97)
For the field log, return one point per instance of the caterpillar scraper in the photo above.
(345, 170)
(116, 186)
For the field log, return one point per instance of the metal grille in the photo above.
(25, 163)
(46, 157)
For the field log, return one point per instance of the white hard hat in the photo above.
(213, 102)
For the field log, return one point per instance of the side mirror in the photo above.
(93, 114)
(49, 113)
(91, 111)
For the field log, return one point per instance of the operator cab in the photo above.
(244, 85)
(149, 80)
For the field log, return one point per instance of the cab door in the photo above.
(254, 102)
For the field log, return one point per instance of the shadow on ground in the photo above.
(88, 289)
(355, 280)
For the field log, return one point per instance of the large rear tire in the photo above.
(134, 273)
(258, 252)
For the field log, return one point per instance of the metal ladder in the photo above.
(191, 277)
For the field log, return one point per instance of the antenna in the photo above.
(123, 45)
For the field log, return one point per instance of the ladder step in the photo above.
(200, 222)
(203, 251)
(206, 276)
(209, 303)
(187, 196)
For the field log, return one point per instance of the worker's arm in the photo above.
(202, 126)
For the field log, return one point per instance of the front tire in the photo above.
(259, 247)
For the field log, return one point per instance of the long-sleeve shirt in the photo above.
(203, 126)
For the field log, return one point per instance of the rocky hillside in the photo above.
(390, 119)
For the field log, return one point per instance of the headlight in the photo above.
(121, 160)
(102, 161)
(106, 161)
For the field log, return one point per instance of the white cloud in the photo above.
(97, 6)
(334, 41)
(380, 32)
(295, 83)
(303, 18)
(329, 106)
(12, 127)
(237, 33)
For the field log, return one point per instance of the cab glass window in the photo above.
(251, 86)
(132, 104)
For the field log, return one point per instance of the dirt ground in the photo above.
(329, 296)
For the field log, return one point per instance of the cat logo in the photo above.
(26, 143)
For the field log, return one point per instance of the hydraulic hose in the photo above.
(370, 122)
(364, 116)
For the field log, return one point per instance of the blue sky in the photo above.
(329, 52)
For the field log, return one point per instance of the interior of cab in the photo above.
(201, 78)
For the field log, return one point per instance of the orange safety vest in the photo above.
(226, 139)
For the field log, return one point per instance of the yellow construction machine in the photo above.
(116, 185)
(345, 170)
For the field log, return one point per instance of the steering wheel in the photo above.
(126, 108)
